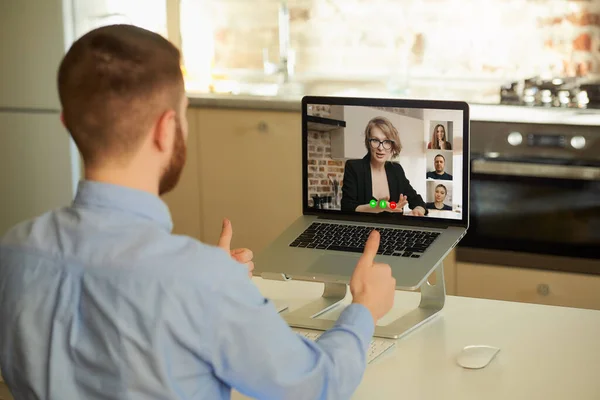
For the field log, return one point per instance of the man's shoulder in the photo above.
(22, 231)
(142, 248)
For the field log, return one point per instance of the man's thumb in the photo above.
(226, 234)
(371, 248)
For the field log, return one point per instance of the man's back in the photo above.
(88, 308)
(99, 300)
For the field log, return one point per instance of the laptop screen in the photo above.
(390, 161)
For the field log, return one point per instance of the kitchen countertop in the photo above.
(479, 112)
(546, 352)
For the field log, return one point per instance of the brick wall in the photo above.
(469, 39)
(321, 166)
(319, 110)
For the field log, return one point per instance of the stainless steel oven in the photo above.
(534, 197)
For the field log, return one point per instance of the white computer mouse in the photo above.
(474, 357)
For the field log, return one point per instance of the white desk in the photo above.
(546, 352)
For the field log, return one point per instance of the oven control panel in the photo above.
(577, 142)
(543, 140)
(529, 140)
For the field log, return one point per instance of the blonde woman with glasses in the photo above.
(375, 184)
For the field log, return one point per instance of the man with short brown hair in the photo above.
(99, 300)
(439, 162)
(114, 84)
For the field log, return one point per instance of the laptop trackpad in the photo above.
(338, 264)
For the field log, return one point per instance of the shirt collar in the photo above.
(123, 198)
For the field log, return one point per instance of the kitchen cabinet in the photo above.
(449, 274)
(243, 165)
(184, 201)
(528, 285)
(4, 392)
(249, 170)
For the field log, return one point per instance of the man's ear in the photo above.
(164, 130)
(62, 119)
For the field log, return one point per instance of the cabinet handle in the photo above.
(263, 127)
(543, 289)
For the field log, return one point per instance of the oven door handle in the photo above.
(509, 168)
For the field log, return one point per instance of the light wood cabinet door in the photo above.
(5, 393)
(250, 171)
(528, 285)
(449, 274)
(184, 200)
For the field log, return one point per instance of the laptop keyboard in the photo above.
(377, 347)
(396, 242)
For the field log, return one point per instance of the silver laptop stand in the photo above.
(433, 298)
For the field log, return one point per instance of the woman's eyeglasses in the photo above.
(375, 143)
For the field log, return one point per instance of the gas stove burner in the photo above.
(564, 92)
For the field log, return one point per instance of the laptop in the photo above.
(395, 165)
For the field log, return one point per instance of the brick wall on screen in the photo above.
(321, 166)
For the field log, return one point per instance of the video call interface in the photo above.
(403, 161)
